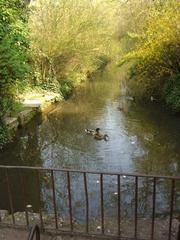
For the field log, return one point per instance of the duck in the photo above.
(97, 135)
(90, 131)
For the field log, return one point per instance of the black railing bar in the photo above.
(171, 209)
(87, 202)
(54, 198)
(119, 204)
(91, 172)
(102, 203)
(34, 232)
(136, 207)
(10, 196)
(39, 199)
(153, 208)
(70, 200)
(178, 232)
(24, 197)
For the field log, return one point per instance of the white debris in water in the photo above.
(97, 181)
(98, 228)
(124, 176)
(133, 139)
(115, 193)
(28, 206)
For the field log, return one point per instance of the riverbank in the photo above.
(39, 101)
(30, 104)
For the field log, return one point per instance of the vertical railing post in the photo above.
(119, 204)
(171, 208)
(24, 197)
(39, 199)
(70, 200)
(102, 203)
(178, 233)
(153, 207)
(10, 196)
(87, 202)
(54, 198)
(136, 207)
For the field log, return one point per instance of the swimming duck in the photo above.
(99, 136)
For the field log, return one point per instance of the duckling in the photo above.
(90, 131)
(99, 136)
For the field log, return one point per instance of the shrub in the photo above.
(66, 88)
(172, 93)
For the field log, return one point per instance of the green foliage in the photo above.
(69, 36)
(50, 84)
(14, 57)
(172, 93)
(156, 53)
(101, 61)
(66, 88)
(3, 134)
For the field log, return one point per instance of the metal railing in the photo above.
(174, 182)
(34, 232)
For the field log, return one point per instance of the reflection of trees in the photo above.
(25, 148)
(158, 134)
(23, 151)
(24, 189)
(63, 141)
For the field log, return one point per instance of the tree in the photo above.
(156, 53)
(69, 36)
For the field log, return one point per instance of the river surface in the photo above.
(143, 138)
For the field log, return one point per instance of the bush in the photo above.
(101, 62)
(67, 88)
(4, 136)
(172, 93)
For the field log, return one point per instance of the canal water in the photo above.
(143, 138)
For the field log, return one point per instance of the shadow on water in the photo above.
(143, 138)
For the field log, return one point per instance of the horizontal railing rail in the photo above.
(90, 172)
(173, 183)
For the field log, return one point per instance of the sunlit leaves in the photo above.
(156, 51)
(71, 30)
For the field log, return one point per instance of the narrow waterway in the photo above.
(142, 138)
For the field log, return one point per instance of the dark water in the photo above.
(143, 138)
